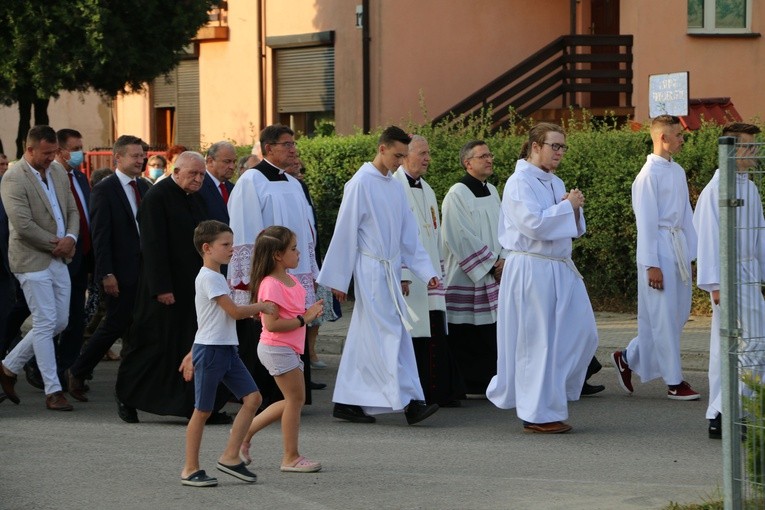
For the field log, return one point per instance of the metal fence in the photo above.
(742, 321)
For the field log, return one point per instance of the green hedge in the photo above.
(602, 161)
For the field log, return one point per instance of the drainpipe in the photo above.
(262, 53)
(572, 17)
(366, 65)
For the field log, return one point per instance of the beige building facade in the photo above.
(361, 64)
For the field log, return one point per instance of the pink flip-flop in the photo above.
(302, 465)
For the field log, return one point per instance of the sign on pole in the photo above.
(668, 94)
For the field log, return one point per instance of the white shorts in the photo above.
(278, 359)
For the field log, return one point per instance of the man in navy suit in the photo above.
(220, 163)
(116, 245)
(70, 156)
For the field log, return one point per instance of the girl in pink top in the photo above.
(282, 340)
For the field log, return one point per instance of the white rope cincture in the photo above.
(394, 287)
(565, 260)
(678, 246)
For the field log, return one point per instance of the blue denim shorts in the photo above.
(214, 364)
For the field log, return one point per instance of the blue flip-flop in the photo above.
(239, 471)
(199, 479)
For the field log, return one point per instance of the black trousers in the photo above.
(119, 315)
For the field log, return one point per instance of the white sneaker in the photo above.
(318, 365)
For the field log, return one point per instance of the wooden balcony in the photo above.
(217, 26)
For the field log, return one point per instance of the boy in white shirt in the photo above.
(214, 357)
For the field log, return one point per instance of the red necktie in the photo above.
(84, 229)
(224, 192)
(134, 185)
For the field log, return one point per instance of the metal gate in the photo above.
(742, 321)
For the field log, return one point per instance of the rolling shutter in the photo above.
(305, 79)
(187, 109)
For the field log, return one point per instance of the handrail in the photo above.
(559, 70)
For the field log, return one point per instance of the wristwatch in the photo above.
(301, 319)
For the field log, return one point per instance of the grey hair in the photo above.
(467, 150)
(417, 138)
(217, 146)
(184, 157)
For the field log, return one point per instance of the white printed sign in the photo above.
(668, 94)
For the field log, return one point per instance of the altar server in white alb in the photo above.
(473, 261)
(439, 376)
(375, 234)
(546, 332)
(265, 196)
(666, 244)
(750, 229)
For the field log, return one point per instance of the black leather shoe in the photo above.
(593, 368)
(34, 378)
(352, 413)
(317, 385)
(418, 410)
(220, 418)
(126, 414)
(589, 389)
(715, 427)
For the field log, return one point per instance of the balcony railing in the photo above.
(571, 64)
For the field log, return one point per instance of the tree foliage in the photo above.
(108, 46)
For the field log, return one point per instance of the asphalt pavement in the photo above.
(625, 452)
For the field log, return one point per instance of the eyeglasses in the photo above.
(484, 157)
(557, 146)
(287, 145)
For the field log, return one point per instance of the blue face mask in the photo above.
(156, 173)
(76, 158)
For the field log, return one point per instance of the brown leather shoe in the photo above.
(554, 427)
(7, 382)
(57, 402)
(75, 386)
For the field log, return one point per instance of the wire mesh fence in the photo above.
(741, 314)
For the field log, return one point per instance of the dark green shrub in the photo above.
(602, 161)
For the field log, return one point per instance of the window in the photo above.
(719, 16)
(304, 67)
(176, 106)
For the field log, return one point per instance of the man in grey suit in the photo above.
(44, 224)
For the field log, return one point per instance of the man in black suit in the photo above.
(116, 244)
(220, 164)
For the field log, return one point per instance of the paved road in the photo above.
(638, 452)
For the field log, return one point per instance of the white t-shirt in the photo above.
(214, 325)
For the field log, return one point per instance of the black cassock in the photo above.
(161, 335)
